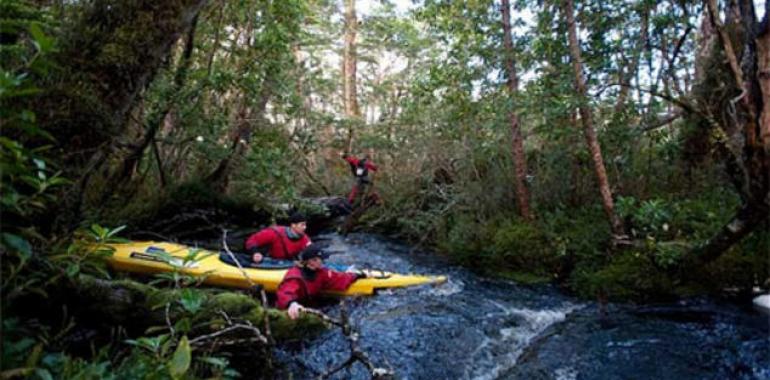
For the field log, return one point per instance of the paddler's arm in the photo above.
(358, 272)
(263, 238)
(339, 281)
(289, 293)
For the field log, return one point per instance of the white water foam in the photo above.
(448, 288)
(763, 303)
(518, 338)
(566, 373)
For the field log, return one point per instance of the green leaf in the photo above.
(191, 300)
(115, 231)
(183, 325)
(98, 231)
(180, 361)
(215, 361)
(43, 43)
(34, 356)
(39, 163)
(17, 243)
(72, 270)
(43, 374)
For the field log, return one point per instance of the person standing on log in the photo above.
(360, 169)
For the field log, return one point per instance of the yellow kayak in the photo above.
(157, 257)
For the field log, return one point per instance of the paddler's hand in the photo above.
(294, 309)
(358, 272)
(257, 257)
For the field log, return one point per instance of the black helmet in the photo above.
(297, 217)
(311, 251)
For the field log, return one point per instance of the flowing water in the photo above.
(476, 328)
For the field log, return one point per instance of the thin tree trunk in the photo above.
(588, 128)
(215, 45)
(241, 137)
(517, 141)
(627, 74)
(161, 172)
(763, 77)
(349, 70)
(128, 167)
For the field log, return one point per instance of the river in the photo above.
(477, 328)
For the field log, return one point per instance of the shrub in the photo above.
(522, 246)
(628, 276)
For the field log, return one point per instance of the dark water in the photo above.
(475, 328)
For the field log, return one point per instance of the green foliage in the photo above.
(30, 182)
(220, 367)
(29, 178)
(626, 277)
(740, 269)
(157, 345)
(645, 276)
(180, 360)
(25, 32)
(523, 247)
(579, 233)
(651, 216)
(176, 277)
(268, 170)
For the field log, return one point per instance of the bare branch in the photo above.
(677, 49)
(263, 295)
(726, 44)
(323, 316)
(237, 263)
(168, 319)
(258, 335)
(662, 121)
(356, 354)
(679, 102)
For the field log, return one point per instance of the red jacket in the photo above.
(296, 287)
(354, 162)
(281, 246)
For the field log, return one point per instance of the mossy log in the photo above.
(138, 307)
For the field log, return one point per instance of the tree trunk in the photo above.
(742, 51)
(350, 98)
(746, 220)
(81, 123)
(588, 127)
(517, 141)
(133, 157)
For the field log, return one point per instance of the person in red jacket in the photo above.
(309, 278)
(360, 169)
(279, 242)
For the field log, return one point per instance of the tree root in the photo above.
(356, 354)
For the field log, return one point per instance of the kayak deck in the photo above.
(159, 257)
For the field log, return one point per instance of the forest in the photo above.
(617, 151)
